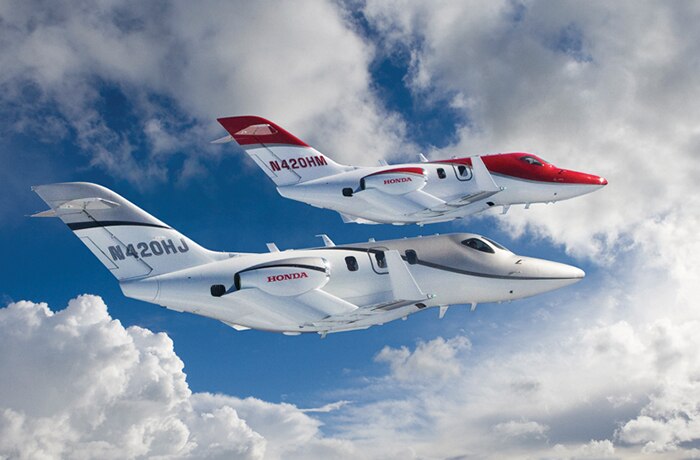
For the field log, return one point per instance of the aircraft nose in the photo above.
(567, 272)
(575, 177)
(559, 274)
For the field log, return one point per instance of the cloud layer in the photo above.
(175, 67)
(77, 384)
(605, 90)
(610, 373)
(615, 375)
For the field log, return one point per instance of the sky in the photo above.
(126, 94)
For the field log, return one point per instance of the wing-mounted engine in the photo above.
(286, 277)
(395, 181)
(398, 191)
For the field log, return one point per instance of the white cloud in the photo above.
(181, 65)
(609, 90)
(330, 407)
(431, 362)
(621, 386)
(610, 372)
(592, 450)
(77, 384)
(520, 428)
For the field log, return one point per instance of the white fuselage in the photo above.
(448, 271)
(329, 289)
(454, 189)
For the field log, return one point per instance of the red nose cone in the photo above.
(575, 177)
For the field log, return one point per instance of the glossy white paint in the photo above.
(414, 193)
(327, 289)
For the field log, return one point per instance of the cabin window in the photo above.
(381, 259)
(441, 173)
(217, 290)
(347, 191)
(411, 256)
(479, 245)
(531, 160)
(351, 262)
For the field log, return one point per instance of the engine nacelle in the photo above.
(396, 181)
(286, 277)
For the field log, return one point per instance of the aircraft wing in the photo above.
(320, 311)
(407, 204)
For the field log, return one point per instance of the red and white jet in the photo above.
(413, 193)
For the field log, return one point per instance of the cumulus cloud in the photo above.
(174, 67)
(77, 384)
(431, 362)
(522, 428)
(605, 90)
(612, 374)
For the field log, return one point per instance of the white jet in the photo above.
(326, 289)
(415, 193)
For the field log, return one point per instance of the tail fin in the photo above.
(130, 242)
(286, 159)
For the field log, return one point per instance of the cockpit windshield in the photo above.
(479, 245)
(532, 160)
(499, 246)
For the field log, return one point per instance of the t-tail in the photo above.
(285, 158)
(131, 243)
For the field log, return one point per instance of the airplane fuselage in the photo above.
(451, 181)
(446, 269)
(414, 193)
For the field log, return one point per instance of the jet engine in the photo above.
(286, 277)
(397, 181)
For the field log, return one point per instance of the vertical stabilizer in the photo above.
(285, 158)
(131, 243)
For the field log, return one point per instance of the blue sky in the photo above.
(127, 96)
(232, 206)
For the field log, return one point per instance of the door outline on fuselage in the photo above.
(375, 253)
(467, 170)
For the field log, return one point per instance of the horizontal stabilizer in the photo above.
(222, 140)
(247, 130)
(47, 213)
